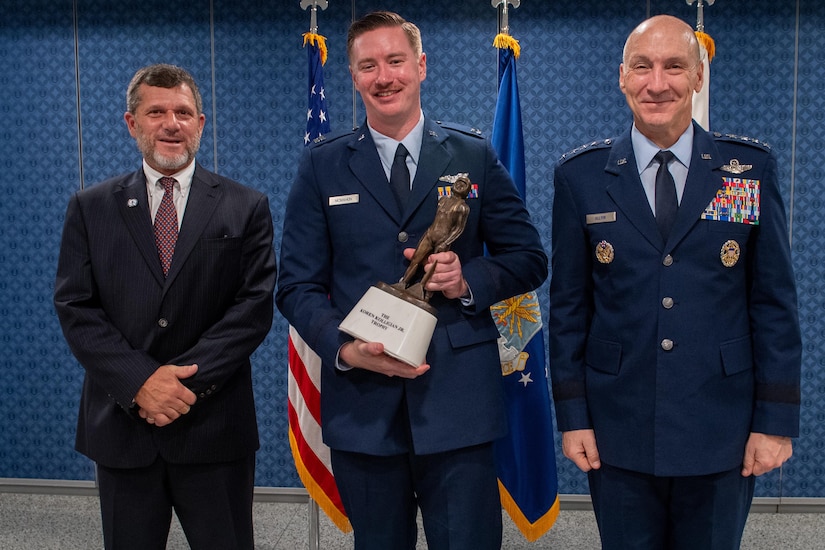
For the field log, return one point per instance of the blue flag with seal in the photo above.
(526, 457)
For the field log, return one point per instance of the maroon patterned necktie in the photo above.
(166, 224)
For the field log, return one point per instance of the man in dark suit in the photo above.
(404, 437)
(164, 321)
(675, 344)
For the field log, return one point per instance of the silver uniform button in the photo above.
(163, 323)
(668, 261)
(667, 344)
(667, 302)
(403, 237)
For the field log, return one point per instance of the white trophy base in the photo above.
(382, 315)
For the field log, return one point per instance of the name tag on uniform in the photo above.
(603, 217)
(344, 199)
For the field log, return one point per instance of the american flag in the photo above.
(311, 455)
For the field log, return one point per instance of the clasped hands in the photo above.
(163, 398)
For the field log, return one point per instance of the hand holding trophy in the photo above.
(399, 315)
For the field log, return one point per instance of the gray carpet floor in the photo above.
(65, 522)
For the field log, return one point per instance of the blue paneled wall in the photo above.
(64, 67)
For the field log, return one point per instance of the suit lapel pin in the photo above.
(735, 168)
(729, 253)
(131, 203)
(621, 162)
(706, 156)
(604, 252)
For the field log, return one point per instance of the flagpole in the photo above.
(313, 510)
(503, 40)
(700, 12)
(354, 93)
(525, 457)
(707, 49)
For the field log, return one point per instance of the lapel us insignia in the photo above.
(604, 252)
(729, 253)
(131, 203)
(734, 167)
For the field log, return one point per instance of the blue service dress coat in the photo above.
(344, 231)
(673, 352)
(122, 319)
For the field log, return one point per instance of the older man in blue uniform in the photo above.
(675, 344)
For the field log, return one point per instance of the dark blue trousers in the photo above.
(457, 492)
(641, 511)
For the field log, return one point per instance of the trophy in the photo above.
(399, 315)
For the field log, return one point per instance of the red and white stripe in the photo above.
(309, 452)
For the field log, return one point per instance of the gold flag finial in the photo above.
(312, 36)
(503, 40)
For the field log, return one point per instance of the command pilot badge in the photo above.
(729, 253)
(735, 167)
(604, 252)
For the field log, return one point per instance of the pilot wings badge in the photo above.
(734, 167)
(451, 179)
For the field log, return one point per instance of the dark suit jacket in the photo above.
(122, 319)
(343, 232)
(735, 360)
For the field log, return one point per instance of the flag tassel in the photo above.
(319, 41)
(506, 42)
(707, 42)
(315, 491)
(530, 530)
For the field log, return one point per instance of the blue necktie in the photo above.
(400, 177)
(666, 201)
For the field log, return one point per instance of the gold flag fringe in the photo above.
(315, 491)
(531, 531)
(317, 40)
(706, 41)
(505, 41)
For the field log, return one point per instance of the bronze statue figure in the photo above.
(448, 224)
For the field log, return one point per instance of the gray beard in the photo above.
(169, 163)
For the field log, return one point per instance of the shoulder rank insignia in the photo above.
(734, 167)
(468, 130)
(586, 147)
(742, 139)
